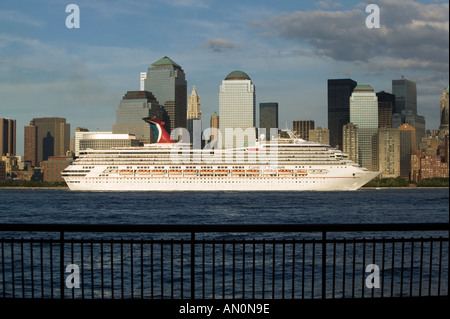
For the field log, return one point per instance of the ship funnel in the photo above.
(158, 127)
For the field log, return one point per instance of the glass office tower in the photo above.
(364, 114)
(405, 92)
(237, 110)
(134, 106)
(166, 80)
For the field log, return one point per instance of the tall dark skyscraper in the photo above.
(386, 106)
(31, 148)
(7, 137)
(268, 118)
(339, 92)
(405, 92)
(166, 80)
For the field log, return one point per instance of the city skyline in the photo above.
(81, 74)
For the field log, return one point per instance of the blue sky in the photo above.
(288, 48)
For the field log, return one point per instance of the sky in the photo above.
(288, 48)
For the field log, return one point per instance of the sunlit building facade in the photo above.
(237, 110)
(166, 80)
(389, 152)
(364, 114)
(194, 114)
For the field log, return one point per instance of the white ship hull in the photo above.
(342, 180)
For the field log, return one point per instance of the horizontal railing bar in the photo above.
(213, 228)
(225, 241)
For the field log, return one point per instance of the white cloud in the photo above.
(219, 45)
(19, 17)
(409, 31)
(187, 3)
(328, 4)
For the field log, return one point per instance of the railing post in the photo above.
(192, 265)
(324, 264)
(61, 262)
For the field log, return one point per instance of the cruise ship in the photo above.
(285, 164)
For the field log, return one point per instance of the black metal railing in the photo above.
(65, 261)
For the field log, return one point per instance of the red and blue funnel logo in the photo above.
(158, 127)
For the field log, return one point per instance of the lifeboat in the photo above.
(301, 172)
(284, 172)
(253, 172)
(190, 172)
(158, 172)
(126, 172)
(206, 172)
(175, 172)
(143, 172)
(221, 172)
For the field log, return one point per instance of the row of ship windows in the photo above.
(205, 181)
(265, 162)
(239, 155)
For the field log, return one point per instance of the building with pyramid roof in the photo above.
(166, 80)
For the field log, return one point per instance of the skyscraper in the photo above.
(386, 106)
(339, 92)
(407, 148)
(31, 144)
(237, 110)
(53, 137)
(320, 135)
(268, 119)
(444, 125)
(214, 125)
(166, 80)
(389, 151)
(134, 106)
(416, 121)
(350, 141)
(7, 137)
(301, 128)
(405, 92)
(215, 121)
(142, 78)
(193, 112)
(364, 114)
